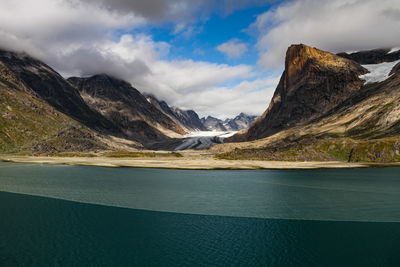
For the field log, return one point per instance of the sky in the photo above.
(218, 58)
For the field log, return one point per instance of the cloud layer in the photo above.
(86, 37)
(233, 48)
(80, 38)
(333, 25)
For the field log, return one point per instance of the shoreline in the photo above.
(192, 163)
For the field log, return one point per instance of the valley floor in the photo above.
(190, 160)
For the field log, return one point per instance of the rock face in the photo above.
(240, 122)
(119, 102)
(363, 126)
(313, 83)
(50, 86)
(213, 124)
(188, 119)
(30, 123)
(43, 111)
(375, 56)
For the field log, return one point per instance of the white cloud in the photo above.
(176, 10)
(43, 27)
(334, 25)
(77, 38)
(186, 83)
(233, 48)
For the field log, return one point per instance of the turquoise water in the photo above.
(92, 216)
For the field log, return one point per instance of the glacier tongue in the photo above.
(378, 72)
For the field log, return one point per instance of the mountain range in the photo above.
(240, 122)
(328, 107)
(42, 112)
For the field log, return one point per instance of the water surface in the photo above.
(94, 216)
(346, 195)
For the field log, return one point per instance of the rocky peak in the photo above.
(313, 83)
(41, 80)
(126, 106)
(301, 58)
(103, 85)
(188, 119)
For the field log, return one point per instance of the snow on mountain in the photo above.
(378, 72)
(394, 49)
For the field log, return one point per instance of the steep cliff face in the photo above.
(240, 122)
(364, 126)
(213, 124)
(47, 84)
(30, 124)
(187, 119)
(313, 83)
(126, 107)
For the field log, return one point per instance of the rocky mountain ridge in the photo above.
(313, 83)
(353, 120)
(375, 56)
(44, 113)
(240, 122)
(187, 118)
(191, 121)
(119, 102)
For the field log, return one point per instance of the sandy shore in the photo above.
(199, 162)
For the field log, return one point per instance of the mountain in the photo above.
(313, 83)
(119, 102)
(41, 80)
(240, 122)
(42, 112)
(213, 124)
(187, 119)
(328, 107)
(190, 120)
(375, 56)
(28, 122)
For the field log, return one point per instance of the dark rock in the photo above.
(313, 83)
(187, 118)
(50, 86)
(213, 124)
(125, 106)
(372, 56)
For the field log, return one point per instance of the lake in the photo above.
(95, 216)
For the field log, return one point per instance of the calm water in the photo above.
(91, 216)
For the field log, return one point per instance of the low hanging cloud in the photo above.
(80, 38)
(333, 25)
(233, 48)
(176, 10)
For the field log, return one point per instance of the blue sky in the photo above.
(218, 58)
(207, 35)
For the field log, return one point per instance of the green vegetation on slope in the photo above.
(31, 125)
(341, 149)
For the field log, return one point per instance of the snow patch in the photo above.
(378, 72)
(210, 134)
(203, 139)
(394, 49)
